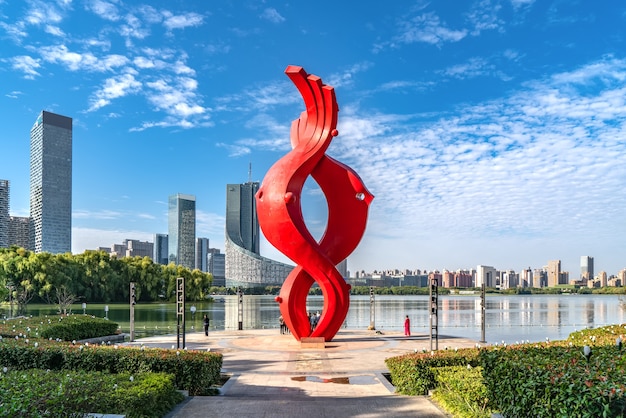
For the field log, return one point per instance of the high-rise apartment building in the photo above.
(486, 275)
(244, 266)
(216, 263)
(554, 273)
(202, 251)
(586, 268)
(182, 230)
(51, 183)
(4, 213)
(160, 254)
(18, 231)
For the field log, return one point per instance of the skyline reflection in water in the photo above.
(508, 318)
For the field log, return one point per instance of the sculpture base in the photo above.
(313, 342)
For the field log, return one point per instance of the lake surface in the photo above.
(508, 318)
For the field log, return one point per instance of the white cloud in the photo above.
(272, 15)
(114, 87)
(27, 65)
(181, 21)
(427, 28)
(105, 9)
(77, 61)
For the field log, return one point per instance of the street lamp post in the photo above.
(240, 308)
(84, 308)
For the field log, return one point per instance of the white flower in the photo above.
(132, 378)
(5, 369)
(36, 344)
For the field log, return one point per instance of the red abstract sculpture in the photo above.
(280, 213)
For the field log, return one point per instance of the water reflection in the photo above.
(508, 318)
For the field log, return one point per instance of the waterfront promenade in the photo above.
(272, 376)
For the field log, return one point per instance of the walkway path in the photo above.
(271, 376)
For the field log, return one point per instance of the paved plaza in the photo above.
(272, 376)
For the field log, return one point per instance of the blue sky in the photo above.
(490, 132)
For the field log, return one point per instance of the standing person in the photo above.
(281, 321)
(407, 326)
(205, 321)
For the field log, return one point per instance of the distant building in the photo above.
(136, 248)
(160, 249)
(526, 278)
(4, 213)
(202, 252)
(182, 230)
(486, 275)
(586, 268)
(51, 184)
(244, 266)
(602, 278)
(342, 268)
(217, 267)
(554, 273)
(19, 231)
(130, 248)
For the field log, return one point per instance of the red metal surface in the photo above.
(280, 213)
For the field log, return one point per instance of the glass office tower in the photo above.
(51, 184)
(4, 213)
(182, 230)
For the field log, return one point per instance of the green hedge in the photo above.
(461, 392)
(555, 381)
(413, 374)
(64, 328)
(39, 393)
(194, 371)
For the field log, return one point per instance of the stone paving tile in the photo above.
(273, 377)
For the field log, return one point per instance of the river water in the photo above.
(508, 318)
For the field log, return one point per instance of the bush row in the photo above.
(414, 374)
(550, 379)
(38, 393)
(555, 381)
(65, 328)
(194, 371)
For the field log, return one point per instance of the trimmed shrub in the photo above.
(461, 392)
(413, 374)
(30, 393)
(555, 381)
(195, 371)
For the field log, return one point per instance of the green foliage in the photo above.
(66, 328)
(35, 393)
(92, 276)
(461, 392)
(79, 327)
(598, 336)
(414, 374)
(555, 381)
(194, 371)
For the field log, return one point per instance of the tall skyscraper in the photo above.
(242, 223)
(244, 266)
(202, 252)
(182, 230)
(160, 249)
(51, 183)
(586, 268)
(4, 213)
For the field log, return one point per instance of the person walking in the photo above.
(281, 322)
(407, 326)
(205, 321)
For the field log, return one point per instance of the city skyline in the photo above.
(491, 133)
